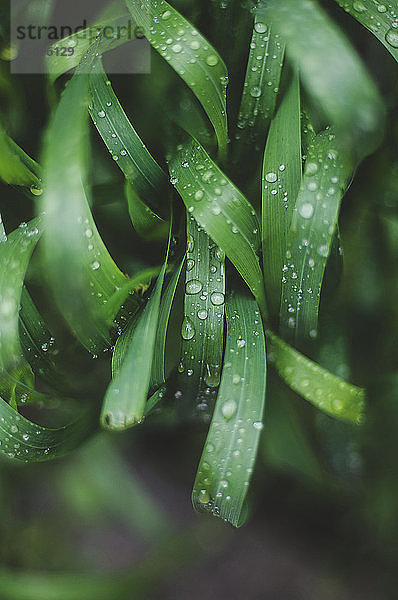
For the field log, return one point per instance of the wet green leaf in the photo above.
(230, 450)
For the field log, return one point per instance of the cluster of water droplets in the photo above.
(20, 439)
(380, 17)
(225, 470)
(314, 223)
(262, 77)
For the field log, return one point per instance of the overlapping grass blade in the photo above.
(280, 185)
(23, 440)
(324, 390)
(59, 61)
(147, 224)
(123, 142)
(159, 372)
(314, 224)
(82, 274)
(330, 69)
(38, 344)
(222, 210)
(190, 55)
(230, 450)
(126, 396)
(380, 19)
(16, 167)
(15, 253)
(261, 82)
(203, 325)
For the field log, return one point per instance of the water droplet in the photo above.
(14, 429)
(258, 425)
(101, 114)
(166, 15)
(202, 314)
(187, 329)
(204, 497)
(271, 177)
(35, 190)
(195, 45)
(260, 27)
(95, 265)
(236, 379)
(228, 409)
(241, 343)
(323, 250)
(216, 210)
(190, 264)
(306, 210)
(176, 48)
(392, 37)
(311, 168)
(198, 195)
(194, 286)
(255, 92)
(359, 7)
(88, 233)
(25, 437)
(217, 298)
(212, 60)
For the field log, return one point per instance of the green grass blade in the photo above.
(313, 227)
(222, 210)
(324, 390)
(203, 325)
(230, 450)
(330, 69)
(159, 374)
(190, 55)
(126, 396)
(122, 141)
(16, 167)
(280, 185)
(57, 63)
(15, 254)
(261, 82)
(125, 399)
(82, 274)
(23, 440)
(380, 19)
(147, 224)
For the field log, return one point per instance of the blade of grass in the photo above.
(324, 390)
(280, 185)
(23, 440)
(123, 142)
(190, 55)
(331, 70)
(126, 396)
(16, 167)
(80, 269)
(261, 82)
(147, 224)
(313, 227)
(380, 19)
(230, 450)
(222, 210)
(202, 329)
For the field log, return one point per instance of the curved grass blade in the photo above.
(38, 344)
(324, 390)
(280, 185)
(126, 396)
(147, 224)
(15, 254)
(122, 141)
(380, 19)
(230, 450)
(58, 63)
(82, 274)
(221, 209)
(16, 167)
(314, 224)
(190, 55)
(262, 81)
(330, 69)
(23, 440)
(159, 374)
(202, 329)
